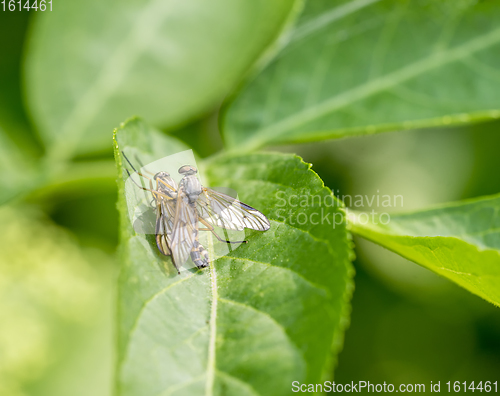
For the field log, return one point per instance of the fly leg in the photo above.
(151, 173)
(139, 173)
(152, 191)
(151, 188)
(212, 230)
(141, 164)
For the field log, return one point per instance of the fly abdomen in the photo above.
(199, 255)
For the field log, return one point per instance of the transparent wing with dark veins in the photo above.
(164, 225)
(185, 230)
(161, 236)
(165, 211)
(224, 211)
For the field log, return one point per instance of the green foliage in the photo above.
(54, 304)
(274, 310)
(168, 61)
(12, 114)
(458, 241)
(367, 66)
(262, 316)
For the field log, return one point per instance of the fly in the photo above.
(180, 209)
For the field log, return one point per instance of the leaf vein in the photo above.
(174, 388)
(242, 304)
(143, 307)
(249, 387)
(313, 284)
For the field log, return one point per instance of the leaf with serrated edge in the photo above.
(366, 66)
(458, 241)
(266, 314)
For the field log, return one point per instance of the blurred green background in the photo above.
(57, 247)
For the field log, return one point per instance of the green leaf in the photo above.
(91, 64)
(13, 119)
(268, 313)
(458, 241)
(366, 66)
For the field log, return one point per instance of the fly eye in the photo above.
(187, 169)
(160, 175)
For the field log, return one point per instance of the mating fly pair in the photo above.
(180, 209)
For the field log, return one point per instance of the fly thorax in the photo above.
(192, 187)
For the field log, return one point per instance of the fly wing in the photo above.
(224, 211)
(161, 234)
(164, 225)
(165, 212)
(184, 230)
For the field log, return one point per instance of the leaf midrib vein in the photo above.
(215, 298)
(209, 386)
(211, 369)
(223, 373)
